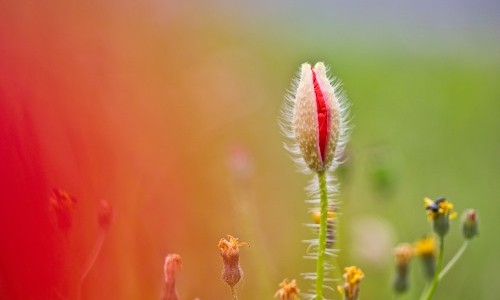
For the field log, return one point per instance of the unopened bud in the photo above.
(403, 254)
(170, 269)
(229, 251)
(316, 117)
(470, 224)
(288, 290)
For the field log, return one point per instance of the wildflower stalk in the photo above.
(320, 266)
(455, 258)
(435, 281)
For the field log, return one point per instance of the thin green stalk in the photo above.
(435, 281)
(320, 266)
(454, 259)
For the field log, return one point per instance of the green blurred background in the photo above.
(170, 111)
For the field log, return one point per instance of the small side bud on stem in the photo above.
(470, 224)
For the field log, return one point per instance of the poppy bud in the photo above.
(316, 120)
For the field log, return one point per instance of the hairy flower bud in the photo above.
(470, 224)
(315, 119)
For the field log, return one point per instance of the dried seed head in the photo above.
(105, 214)
(288, 290)
(170, 269)
(229, 251)
(64, 205)
(315, 119)
(470, 224)
(352, 278)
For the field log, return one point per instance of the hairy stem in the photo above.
(435, 281)
(455, 258)
(320, 266)
(91, 260)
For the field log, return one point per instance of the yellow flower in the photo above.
(426, 246)
(288, 290)
(352, 278)
(440, 212)
(439, 208)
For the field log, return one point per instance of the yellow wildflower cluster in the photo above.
(440, 207)
(426, 246)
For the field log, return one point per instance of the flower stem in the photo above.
(455, 258)
(320, 266)
(435, 281)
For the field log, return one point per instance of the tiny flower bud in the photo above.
(105, 214)
(63, 205)
(403, 254)
(470, 224)
(229, 251)
(426, 248)
(288, 290)
(172, 265)
(352, 278)
(440, 212)
(316, 117)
